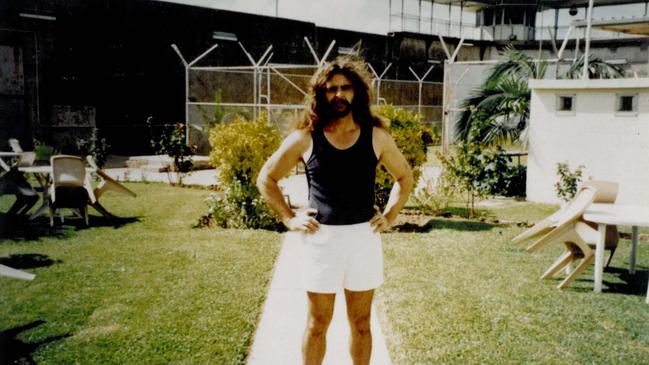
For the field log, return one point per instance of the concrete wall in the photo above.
(611, 147)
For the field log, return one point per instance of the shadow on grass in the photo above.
(15, 351)
(28, 261)
(635, 284)
(437, 223)
(22, 229)
(115, 222)
(463, 212)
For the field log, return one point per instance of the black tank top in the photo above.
(341, 182)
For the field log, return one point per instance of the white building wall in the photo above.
(610, 147)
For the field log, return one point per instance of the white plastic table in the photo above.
(616, 214)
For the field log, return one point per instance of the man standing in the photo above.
(341, 142)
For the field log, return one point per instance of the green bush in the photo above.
(566, 187)
(434, 198)
(239, 150)
(408, 133)
(516, 177)
(479, 171)
(94, 146)
(238, 206)
(430, 135)
(44, 152)
(171, 142)
(499, 176)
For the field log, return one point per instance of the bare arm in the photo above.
(278, 166)
(391, 157)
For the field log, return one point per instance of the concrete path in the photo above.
(278, 339)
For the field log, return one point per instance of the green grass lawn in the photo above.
(153, 290)
(462, 293)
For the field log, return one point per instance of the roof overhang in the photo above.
(635, 25)
(557, 4)
(591, 84)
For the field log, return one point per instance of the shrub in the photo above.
(408, 132)
(480, 171)
(171, 142)
(236, 206)
(566, 187)
(499, 176)
(44, 152)
(239, 150)
(435, 197)
(430, 134)
(516, 176)
(94, 146)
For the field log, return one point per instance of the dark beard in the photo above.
(334, 110)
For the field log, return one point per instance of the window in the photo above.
(626, 104)
(566, 104)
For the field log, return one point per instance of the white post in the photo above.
(446, 106)
(186, 66)
(389, 15)
(589, 23)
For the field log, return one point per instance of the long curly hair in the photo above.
(318, 114)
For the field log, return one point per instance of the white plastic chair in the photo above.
(26, 158)
(579, 237)
(70, 186)
(564, 226)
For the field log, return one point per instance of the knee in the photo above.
(318, 325)
(360, 325)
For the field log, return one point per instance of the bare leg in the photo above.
(314, 344)
(359, 309)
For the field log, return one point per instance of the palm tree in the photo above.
(498, 111)
(597, 69)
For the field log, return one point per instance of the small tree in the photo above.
(465, 169)
(171, 142)
(566, 187)
(480, 170)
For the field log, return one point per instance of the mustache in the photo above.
(341, 101)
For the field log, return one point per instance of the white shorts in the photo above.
(342, 256)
